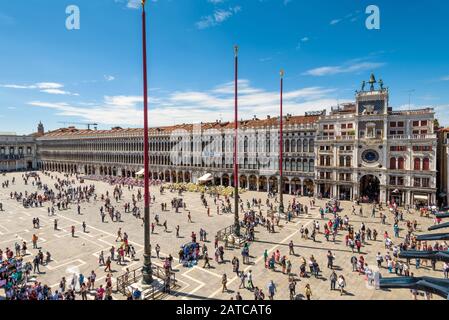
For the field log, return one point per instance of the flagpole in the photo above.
(281, 149)
(236, 168)
(147, 272)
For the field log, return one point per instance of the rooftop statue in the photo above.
(363, 85)
(372, 81)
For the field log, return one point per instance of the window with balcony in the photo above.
(392, 180)
(417, 182)
(398, 148)
(425, 182)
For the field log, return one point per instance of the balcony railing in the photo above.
(412, 137)
(328, 138)
(4, 157)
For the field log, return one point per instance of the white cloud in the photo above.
(303, 40)
(353, 16)
(219, 16)
(445, 78)
(216, 1)
(350, 67)
(109, 77)
(45, 87)
(133, 4)
(195, 106)
(335, 21)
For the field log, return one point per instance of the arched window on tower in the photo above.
(393, 163)
(401, 163)
(426, 164)
(417, 164)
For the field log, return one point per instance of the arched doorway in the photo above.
(369, 189)
(225, 179)
(253, 183)
(308, 187)
(263, 183)
(273, 182)
(296, 185)
(243, 182)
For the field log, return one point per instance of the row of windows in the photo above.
(414, 148)
(417, 182)
(418, 164)
(12, 150)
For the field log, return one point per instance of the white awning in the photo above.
(206, 177)
(420, 197)
(140, 173)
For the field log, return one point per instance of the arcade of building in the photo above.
(362, 150)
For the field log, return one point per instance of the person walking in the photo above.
(224, 281)
(34, 240)
(271, 290)
(341, 284)
(84, 226)
(249, 276)
(330, 259)
(108, 265)
(333, 280)
(308, 291)
(291, 248)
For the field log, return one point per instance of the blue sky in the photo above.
(93, 74)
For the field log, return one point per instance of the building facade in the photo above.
(19, 152)
(369, 152)
(363, 150)
(443, 166)
(186, 152)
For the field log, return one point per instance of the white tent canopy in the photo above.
(207, 177)
(140, 173)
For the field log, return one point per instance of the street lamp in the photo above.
(236, 169)
(281, 147)
(147, 272)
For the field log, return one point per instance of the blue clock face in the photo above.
(370, 156)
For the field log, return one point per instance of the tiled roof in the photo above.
(254, 123)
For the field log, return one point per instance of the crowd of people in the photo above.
(328, 224)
